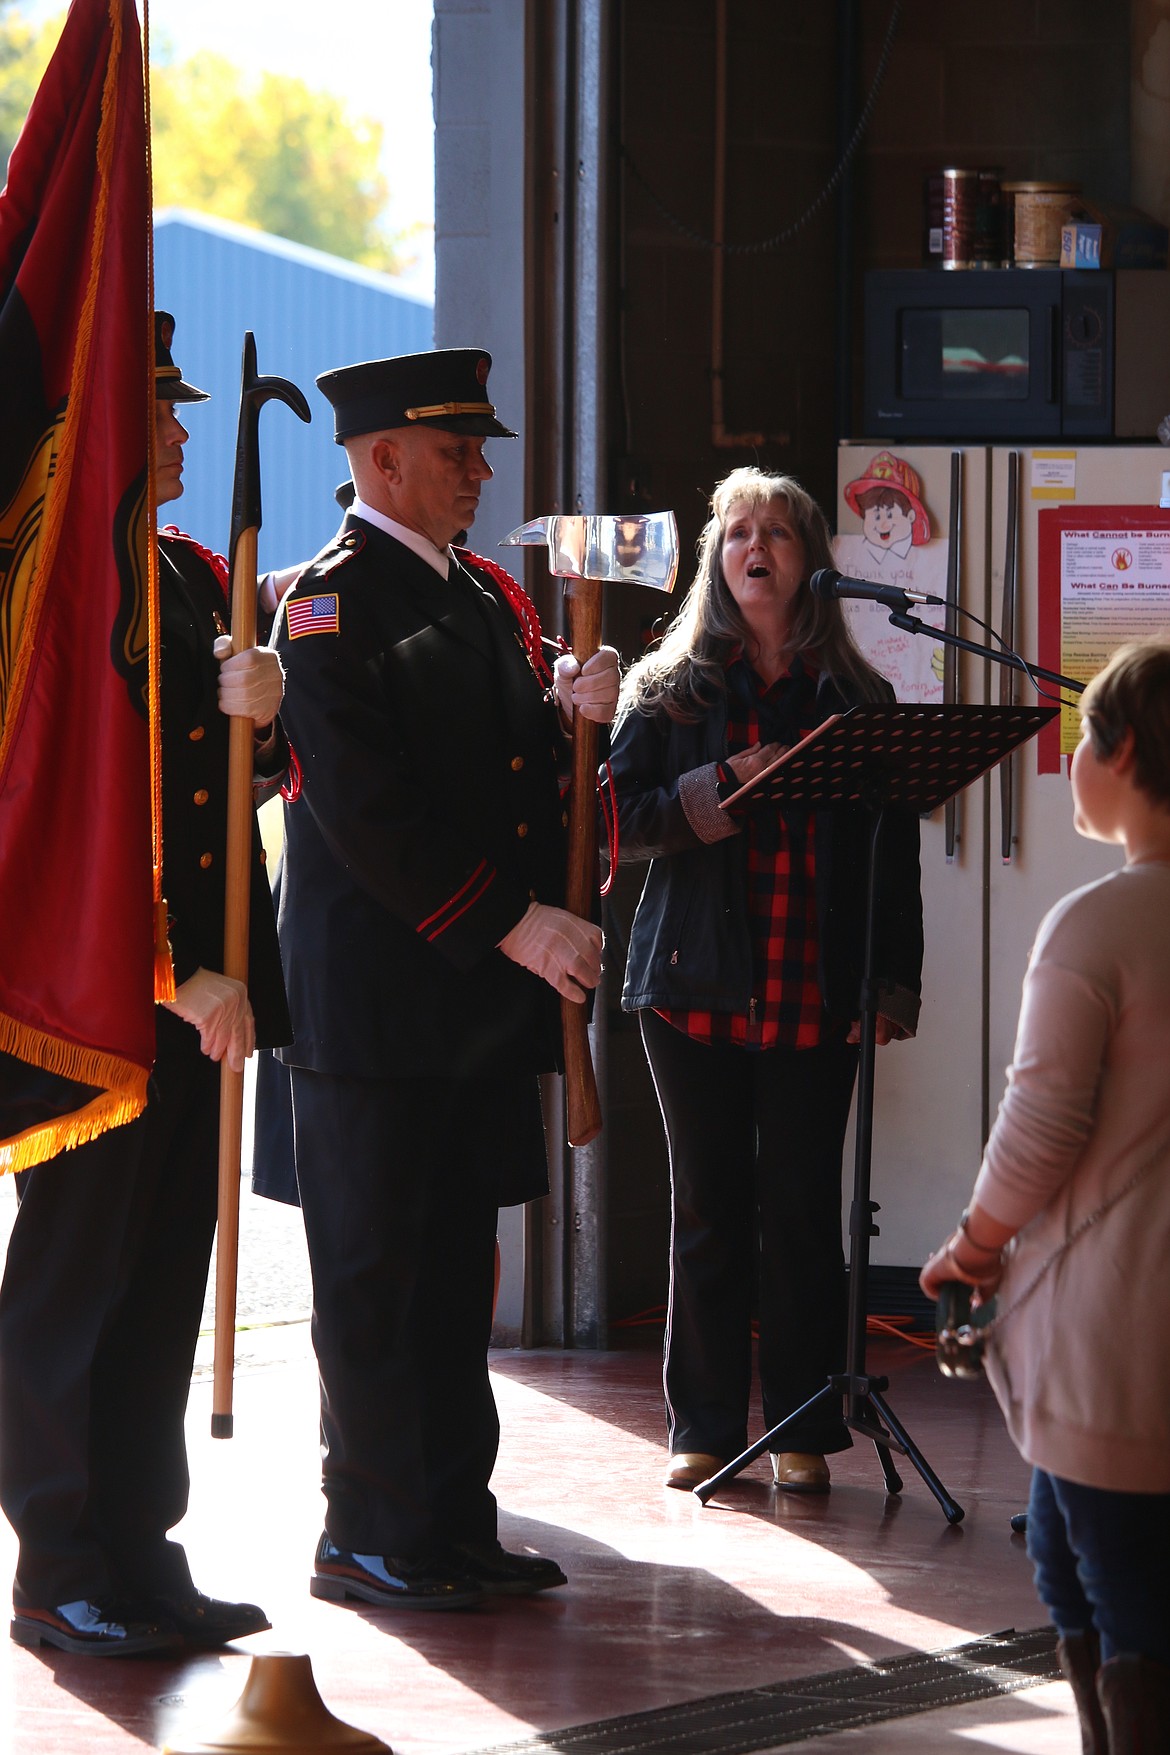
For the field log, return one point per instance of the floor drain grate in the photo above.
(813, 1706)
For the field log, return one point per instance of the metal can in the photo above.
(950, 201)
(1039, 211)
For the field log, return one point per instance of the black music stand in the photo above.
(915, 757)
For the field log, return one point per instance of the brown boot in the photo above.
(1135, 1698)
(1080, 1656)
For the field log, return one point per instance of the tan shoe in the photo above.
(690, 1468)
(799, 1471)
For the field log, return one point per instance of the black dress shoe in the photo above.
(392, 1583)
(205, 1622)
(502, 1574)
(103, 1629)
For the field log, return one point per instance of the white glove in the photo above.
(560, 947)
(592, 687)
(251, 685)
(218, 1007)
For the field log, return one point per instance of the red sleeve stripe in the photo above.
(470, 902)
(459, 894)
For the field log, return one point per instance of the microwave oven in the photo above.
(1019, 353)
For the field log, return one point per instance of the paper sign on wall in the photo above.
(1104, 578)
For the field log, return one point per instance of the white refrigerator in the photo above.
(947, 520)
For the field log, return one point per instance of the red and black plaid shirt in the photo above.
(785, 1005)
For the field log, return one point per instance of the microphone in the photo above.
(827, 582)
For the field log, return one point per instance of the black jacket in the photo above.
(430, 816)
(195, 736)
(690, 944)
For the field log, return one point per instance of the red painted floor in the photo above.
(666, 1602)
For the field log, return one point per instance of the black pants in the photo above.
(398, 1182)
(755, 1144)
(99, 1315)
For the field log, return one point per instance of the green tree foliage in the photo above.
(24, 55)
(272, 153)
(266, 151)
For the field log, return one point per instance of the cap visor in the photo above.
(475, 426)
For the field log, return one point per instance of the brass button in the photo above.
(195, 733)
(532, 895)
(264, 856)
(205, 860)
(517, 764)
(201, 796)
(564, 819)
(522, 830)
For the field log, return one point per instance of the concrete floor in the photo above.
(667, 1602)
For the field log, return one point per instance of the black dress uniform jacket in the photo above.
(195, 737)
(430, 817)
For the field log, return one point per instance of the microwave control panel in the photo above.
(1086, 354)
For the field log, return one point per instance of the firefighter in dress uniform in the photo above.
(107, 1265)
(425, 951)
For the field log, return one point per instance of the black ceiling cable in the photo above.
(783, 237)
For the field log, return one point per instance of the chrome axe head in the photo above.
(630, 550)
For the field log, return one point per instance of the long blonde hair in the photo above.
(683, 675)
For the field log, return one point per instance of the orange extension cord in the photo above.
(901, 1328)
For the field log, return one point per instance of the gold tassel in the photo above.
(164, 967)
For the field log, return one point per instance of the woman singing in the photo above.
(745, 965)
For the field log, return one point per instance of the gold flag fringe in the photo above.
(122, 1095)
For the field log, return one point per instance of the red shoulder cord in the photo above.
(291, 789)
(524, 610)
(609, 817)
(217, 563)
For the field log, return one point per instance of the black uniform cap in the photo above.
(446, 388)
(168, 381)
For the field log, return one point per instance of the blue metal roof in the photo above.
(308, 311)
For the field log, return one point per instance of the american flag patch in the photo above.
(312, 615)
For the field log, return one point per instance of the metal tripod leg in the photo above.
(952, 1510)
(729, 1471)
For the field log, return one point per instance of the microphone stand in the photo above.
(911, 625)
(828, 582)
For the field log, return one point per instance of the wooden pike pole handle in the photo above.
(237, 900)
(255, 391)
(582, 1104)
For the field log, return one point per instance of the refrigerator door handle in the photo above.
(1008, 822)
(951, 653)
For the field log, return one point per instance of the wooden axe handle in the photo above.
(583, 1107)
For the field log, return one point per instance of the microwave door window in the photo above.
(964, 355)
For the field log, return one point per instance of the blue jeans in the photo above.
(1102, 1560)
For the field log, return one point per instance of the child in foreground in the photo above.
(1069, 1224)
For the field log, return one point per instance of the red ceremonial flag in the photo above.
(77, 920)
